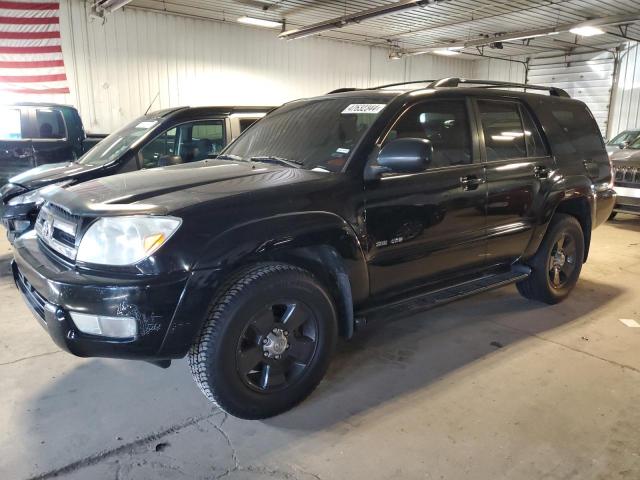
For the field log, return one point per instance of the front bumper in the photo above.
(628, 200)
(169, 310)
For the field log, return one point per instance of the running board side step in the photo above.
(436, 298)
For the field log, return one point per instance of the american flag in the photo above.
(30, 50)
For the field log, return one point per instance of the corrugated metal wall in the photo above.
(625, 109)
(586, 76)
(502, 70)
(115, 69)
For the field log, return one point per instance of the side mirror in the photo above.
(403, 155)
(623, 145)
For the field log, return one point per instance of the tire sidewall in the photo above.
(569, 226)
(231, 392)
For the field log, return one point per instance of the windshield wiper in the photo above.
(227, 156)
(278, 160)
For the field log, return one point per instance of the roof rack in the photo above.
(455, 82)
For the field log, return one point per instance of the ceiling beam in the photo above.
(356, 17)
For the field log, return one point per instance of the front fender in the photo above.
(266, 238)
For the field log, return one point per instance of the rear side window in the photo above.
(50, 124)
(503, 130)
(580, 132)
(10, 124)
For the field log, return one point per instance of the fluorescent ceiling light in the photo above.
(587, 31)
(259, 22)
(447, 51)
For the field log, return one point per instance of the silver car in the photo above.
(626, 168)
(622, 140)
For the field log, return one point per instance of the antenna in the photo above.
(152, 102)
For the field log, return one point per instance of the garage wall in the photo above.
(116, 68)
(586, 76)
(625, 109)
(502, 70)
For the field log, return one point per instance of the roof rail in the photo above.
(341, 90)
(455, 82)
(401, 83)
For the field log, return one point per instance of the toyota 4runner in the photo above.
(327, 212)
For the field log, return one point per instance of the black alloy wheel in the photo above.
(562, 261)
(277, 346)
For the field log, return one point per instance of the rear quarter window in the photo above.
(578, 131)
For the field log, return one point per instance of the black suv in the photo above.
(327, 212)
(156, 139)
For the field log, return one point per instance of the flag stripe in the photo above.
(29, 35)
(29, 5)
(33, 78)
(31, 60)
(29, 20)
(33, 64)
(35, 90)
(46, 49)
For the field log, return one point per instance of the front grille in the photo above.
(627, 176)
(31, 295)
(57, 229)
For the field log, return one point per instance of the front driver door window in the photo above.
(189, 142)
(423, 225)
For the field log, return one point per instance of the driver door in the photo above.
(429, 226)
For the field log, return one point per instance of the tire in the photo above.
(612, 216)
(543, 285)
(267, 341)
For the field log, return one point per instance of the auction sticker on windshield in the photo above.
(364, 108)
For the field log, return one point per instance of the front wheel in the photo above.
(267, 341)
(556, 266)
(612, 216)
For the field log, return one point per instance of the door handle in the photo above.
(470, 182)
(541, 171)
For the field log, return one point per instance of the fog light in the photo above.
(114, 327)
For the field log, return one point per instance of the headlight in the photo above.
(125, 240)
(35, 196)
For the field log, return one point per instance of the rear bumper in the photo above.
(628, 200)
(169, 310)
(605, 200)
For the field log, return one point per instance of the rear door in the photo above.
(518, 168)
(16, 150)
(429, 227)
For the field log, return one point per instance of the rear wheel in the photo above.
(556, 266)
(267, 341)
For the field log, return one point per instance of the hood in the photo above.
(163, 190)
(627, 157)
(51, 173)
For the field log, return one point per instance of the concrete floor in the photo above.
(493, 387)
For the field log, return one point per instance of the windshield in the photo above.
(626, 136)
(112, 147)
(312, 134)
